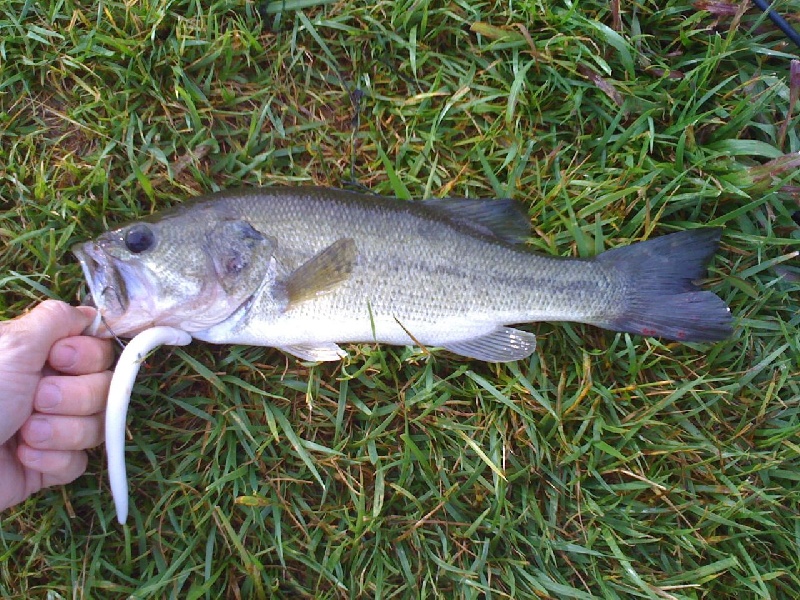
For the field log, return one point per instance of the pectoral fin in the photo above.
(503, 345)
(322, 273)
(316, 352)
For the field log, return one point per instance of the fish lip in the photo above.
(106, 287)
(91, 268)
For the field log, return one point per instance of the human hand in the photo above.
(53, 388)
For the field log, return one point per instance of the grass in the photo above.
(606, 466)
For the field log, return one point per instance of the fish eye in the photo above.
(139, 238)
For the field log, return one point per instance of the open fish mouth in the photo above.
(106, 287)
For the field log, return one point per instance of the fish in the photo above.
(307, 269)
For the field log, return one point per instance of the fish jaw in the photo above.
(129, 300)
(106, 288)
(124, 297)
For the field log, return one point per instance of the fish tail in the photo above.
(663, 299)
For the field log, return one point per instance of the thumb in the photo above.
(25, 342)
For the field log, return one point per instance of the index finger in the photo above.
(80, 355)
(25, 342)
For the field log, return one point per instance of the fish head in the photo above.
(182, 271)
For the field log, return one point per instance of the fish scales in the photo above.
(420, 271)
(304, 269)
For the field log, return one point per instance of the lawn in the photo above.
(605, 466)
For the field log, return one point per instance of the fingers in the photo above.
(69, 412)
(81, 354)
(56, 467)
(68, 418)
(68, 395)
(58, 432)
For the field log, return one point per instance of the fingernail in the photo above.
(63, 357)
(31, 455)
(39, 430)
(49, 396)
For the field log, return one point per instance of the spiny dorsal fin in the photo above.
(503, 218)
(323, 272)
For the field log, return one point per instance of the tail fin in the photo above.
(663, 299)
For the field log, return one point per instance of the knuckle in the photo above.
(14, 333)
(58, 310)
(18, 331)
(76, 434)
(93, 395)
(105, 352)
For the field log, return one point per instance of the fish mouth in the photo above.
(107, 291)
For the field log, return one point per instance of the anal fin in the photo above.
(316, 352)
(502, 345)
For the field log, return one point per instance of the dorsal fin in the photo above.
(503, 218)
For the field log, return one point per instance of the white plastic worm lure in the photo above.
(119, 396)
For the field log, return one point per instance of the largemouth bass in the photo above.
(306, 269)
